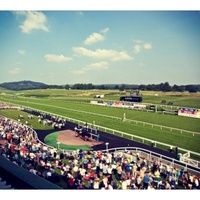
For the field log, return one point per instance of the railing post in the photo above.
(107, 146)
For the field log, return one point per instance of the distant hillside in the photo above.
(23, 85)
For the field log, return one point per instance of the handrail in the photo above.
(149, 140)
(151, 154)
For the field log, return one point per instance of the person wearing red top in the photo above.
(24, 149)
(71, 183)
(92, 174)
(12, 147)
(99, 155)
(9, 137)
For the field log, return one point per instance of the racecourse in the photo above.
(76, 106)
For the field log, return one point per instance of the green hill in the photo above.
(23, 85)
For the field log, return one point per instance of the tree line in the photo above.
(165, 87)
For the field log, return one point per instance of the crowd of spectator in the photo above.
(6, 106)
(55, 122)
(88, 169)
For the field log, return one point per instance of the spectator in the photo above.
(124, 184)
(96, 183)
(89, 165)
(146, 181)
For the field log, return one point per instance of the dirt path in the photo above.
(68, 137)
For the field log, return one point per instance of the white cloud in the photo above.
(140, 45)
(92, 67)
(122, 55)
(34, 20)
(21, 52)
(97, 66)
(147, 46)
(57, 58)
(15, 70)
(102, 54)
(96, 37)
(105, 30)
(137, 48)
(81, 71)
(93, 38)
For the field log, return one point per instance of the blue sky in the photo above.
(100, 47)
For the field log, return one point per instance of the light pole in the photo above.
(107, 146)
(58, 143)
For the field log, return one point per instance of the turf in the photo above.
(33, 123)
(74, 104)
(51, 140)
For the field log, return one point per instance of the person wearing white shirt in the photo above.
(124, 185)
(110, 187)
(128, 182)
(105, 169)
(150, 187)
(109, 169)
(96, 184)
(82, 171)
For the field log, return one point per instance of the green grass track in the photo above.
(184, 140)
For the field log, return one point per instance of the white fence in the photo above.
(120, 133)
(140, 151)
(150, 155)
(120, 118)
(115, 132)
